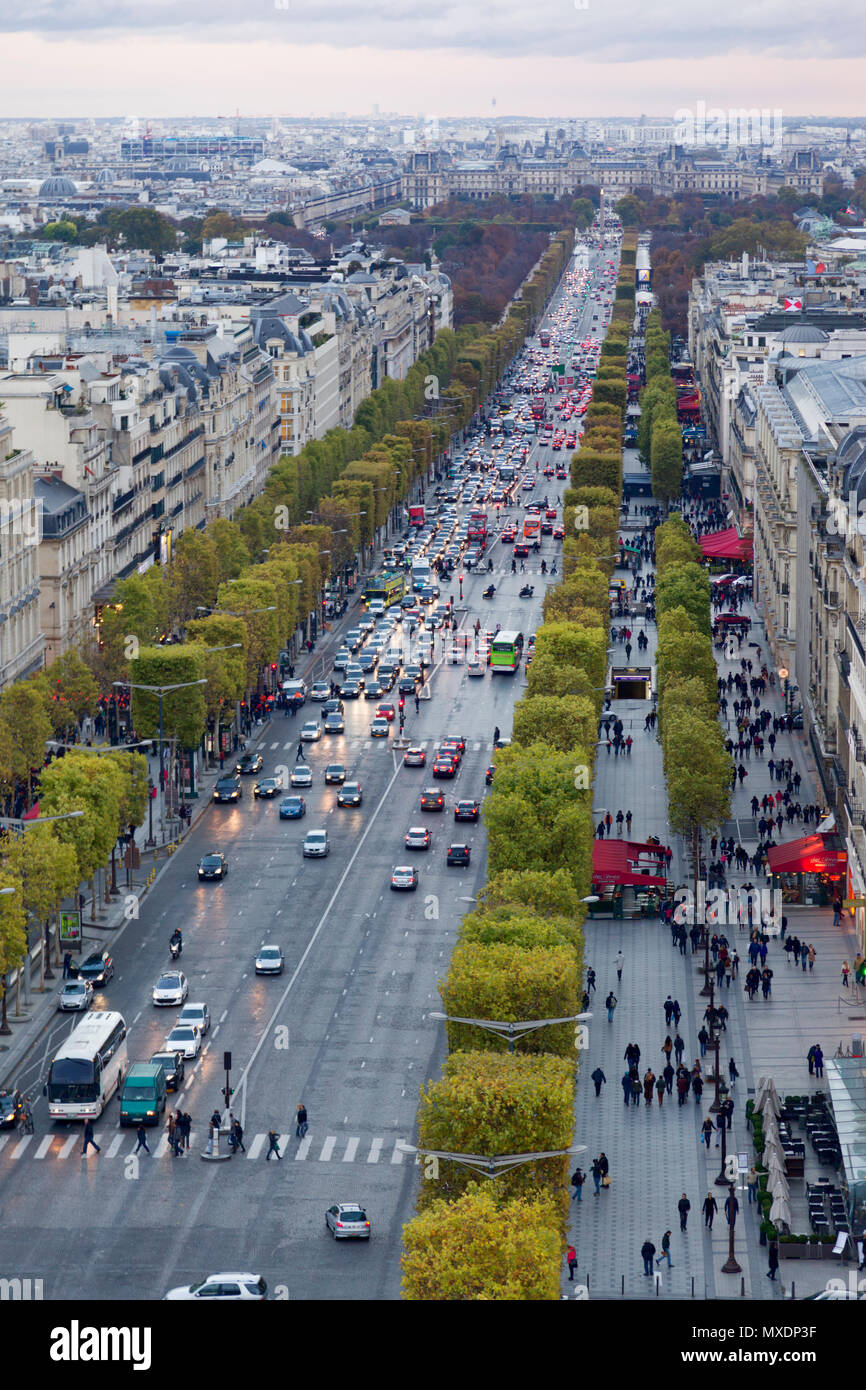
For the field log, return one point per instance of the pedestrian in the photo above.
(752, 1184)
(819, 1060)
(88, 1137)
(141, 1136)
(810, 1058)
(669, 1010)
(812, 954)
(732, 1207)
(605, 1169)
(571, 1257)
(679, 1048)
(706, 1131)
(578, 1178)
(773, 1255)
(626, 1087)
(709, 1208)
(636, 1088)
(273, 1145)
(300, 756)
(599, 1078)
(667, 1047)
(683, 1084)
(668, 1076)
(610, 1004)
(237, 1134)
(596, 1174)
(846, 969)
(649, 1082)
(684, 1206)
(732, 1071)
(301, 1121)
(666, 1250)
(619, 962)
(648, 1251)
(67, 965)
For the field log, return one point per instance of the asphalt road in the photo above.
(344, 1029)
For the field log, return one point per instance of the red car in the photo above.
(550, 513)
(385, 712)
(521, 551)
(443, 766)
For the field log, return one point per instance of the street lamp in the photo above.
(511, 1031)
(160, 691)
(730, 1266)
(486, 1166)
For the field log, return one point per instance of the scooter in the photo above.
(175, 947)
(527, 591)
(489, 591)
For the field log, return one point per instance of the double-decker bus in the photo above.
(506, 650)
(544, 338)
(388, 587)
(87, 1068)
(537, 407)
(477, 529)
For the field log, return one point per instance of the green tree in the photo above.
(183, 711)
(698, 772)
(94, 786)
(511, 983)
(563, 722)
(47, 868)
(23, 711)
(546, 894)
(666, 460)
(13, 936)
(72, 692)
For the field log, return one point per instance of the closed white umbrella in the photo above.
(780, 1212)
(776, 1183)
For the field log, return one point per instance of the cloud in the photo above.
(610, 31)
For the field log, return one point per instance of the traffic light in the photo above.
(402, 703)
(227, 1061)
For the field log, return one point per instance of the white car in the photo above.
(301, 776)
(342, 659)
(170, 988)
(475, 667)
(321, 691)
(316, 844)
(312, 732)
(269, 961)
(239, 1287)
(184, 1038)
(75, 996)
(197, 1014)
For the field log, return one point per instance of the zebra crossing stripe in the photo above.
(44, 1146)
(256, 1146)
(351, 1150)
(284, 1141)
(273, 746)
(4, 1140)
(397, 1155)
(303, 1148)
(21, 1146)
(162, 1147)
(69, 1146)
(327, 1148)
(375, 1150)
(114, 1146)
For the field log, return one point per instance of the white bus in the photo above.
(421, 575)
(87, 1068)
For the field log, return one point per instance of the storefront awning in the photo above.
(626, 862)
(726, 545)
(811, 854)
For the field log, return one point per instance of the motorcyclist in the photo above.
(176, 940)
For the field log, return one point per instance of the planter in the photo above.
(792, 1251)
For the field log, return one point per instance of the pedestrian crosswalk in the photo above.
(332, 1148)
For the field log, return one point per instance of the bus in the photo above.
(477, 528)
(506, 649)
(87, 1068)
(388, 587)
(544, 338)
(531, 528)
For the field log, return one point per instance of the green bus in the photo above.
(506, 651)
(388, 588)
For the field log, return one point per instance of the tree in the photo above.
(698, 772)
(143, 229)
(546, 894)
(183, 711)
(562, 722)
(193, 576)
(666, 460)
(575, 646)
(23, 711)
(47, 868)
(513, 924)
(13, 936)
(64, 230)
(482, 1249)
(71, 691)
(685, 586)
(94, 786)
(501, 980)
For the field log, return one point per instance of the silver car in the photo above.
(269, 961)
(316, 844)
(197, 1014)
(75, 996)
(170, 988)
(347, 1220)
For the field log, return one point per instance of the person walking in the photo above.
(709, 1208)
(773, 1257)
(667, 1047)
(684, 1206)
(732, 1207)
(571, 1258)
(300, 756)
(141, 1136)
(636, 1087)
(649, 1082)
(619, 962)
(648, 1251)
(810, 1058)
(237, 1133)
(301, 1121)
(752, 1184)
(846, 969)
(273, 1145)
(610, 1004)
(666, 1250)
(578, 1178)
(596, 1174)
(660, 1090)
(88, 1137)
(732, 1071)
(706, 1131)
(625, 1082)
(668, 1076)
(605, 1169)
(679, 1048)
(599, 1078)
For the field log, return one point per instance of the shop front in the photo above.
(811, 871)
(628, 877)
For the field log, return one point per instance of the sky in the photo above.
(557, 58)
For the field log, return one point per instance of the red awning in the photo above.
(627, 862)
(812, 854)
(726, 545)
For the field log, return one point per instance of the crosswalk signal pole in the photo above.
(228, 1089)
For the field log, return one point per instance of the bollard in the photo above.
(622, 1285)
(793, 1289)
(693, 1286)
(743, 1286)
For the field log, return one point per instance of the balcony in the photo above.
(123, 501)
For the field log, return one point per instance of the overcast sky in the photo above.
(153, 58)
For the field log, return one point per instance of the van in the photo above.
(294, 692)
(142, 1099)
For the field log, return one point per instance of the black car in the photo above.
(374, 690)
(331, 707)
(98, 968)
(174, 1067)
(407, 685)
(213, 865)
(227, 789)
(10, 1109)
(268, 787)
(458, 855)
(250, 763)
(350, 690)
(350, 794)
(466, 810)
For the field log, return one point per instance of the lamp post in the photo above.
(490, 1166)
(730, 1266)
(508, 1030)
(160, 691)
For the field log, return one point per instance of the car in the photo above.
(170, 989)
(559, 533)
(521, 551)
(312, 732)
(213, 865)
(350, 690)
(415, 757)
(335, 724)
(316, 845)
(335, 775)
(347, 1220)
(268, 787)
(404, 878)
(75, 996)
(355, 672)
(292, 808)
(432, 799)
(350, 794)
(185, 1038)
(332, 706)
(457, 741)
(269, 961)
(320, 690)
(466, 810)
(374, 690)
(196, 1015)
(488, 776)
(387, 674)
(227, 789)
(301, 776)
(10, 1109)
(98, 968)
(174, 1067)
(407, 685)
(238, 1287)
(250, 763)
(417, 837)
(458, 856)
(443, 766)
(385, 711)
(474, 667)
(380, 728)
(342, 659)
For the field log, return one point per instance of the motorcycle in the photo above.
(527, 591)
(175, 947)
(489, 591)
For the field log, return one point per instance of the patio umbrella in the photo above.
(769, 1102)
(774, 1160)
(780, 1212)
(777, 1183)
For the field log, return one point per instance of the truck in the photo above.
(142, 1099)
(416, 515)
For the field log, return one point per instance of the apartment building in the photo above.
(22, 646)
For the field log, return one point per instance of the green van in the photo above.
(142, 1099)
